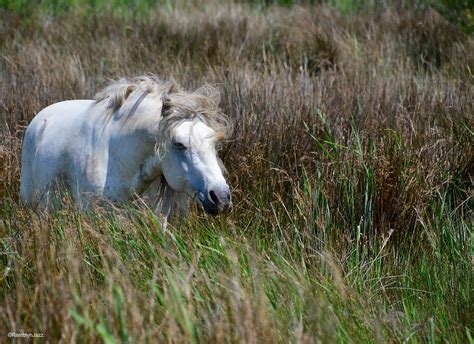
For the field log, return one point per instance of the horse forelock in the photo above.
(186, 107)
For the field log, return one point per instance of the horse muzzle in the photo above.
(216, 201)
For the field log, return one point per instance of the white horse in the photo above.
(139, 137)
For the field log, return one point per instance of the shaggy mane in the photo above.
(203, 104)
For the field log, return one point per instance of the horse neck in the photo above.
(128, 136)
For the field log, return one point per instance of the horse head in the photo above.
(191, 130)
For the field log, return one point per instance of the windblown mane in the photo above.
(117, 91)
(174, 105)
(202, 104)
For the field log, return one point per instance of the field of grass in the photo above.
(351, 166)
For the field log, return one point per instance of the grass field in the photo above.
(351, 166)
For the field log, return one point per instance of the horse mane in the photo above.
(202, 104)
(176, 106)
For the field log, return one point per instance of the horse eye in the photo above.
(179, 146)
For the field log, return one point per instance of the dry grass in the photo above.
(351, 166)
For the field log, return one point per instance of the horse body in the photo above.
(140, 138)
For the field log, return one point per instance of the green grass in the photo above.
(244, 277)
(59, 7)
(262, 275)
(460, 12)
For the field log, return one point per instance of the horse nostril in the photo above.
(213, 197)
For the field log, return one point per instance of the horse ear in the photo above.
(128, 90)
(118, 95)
(166, 106)
(209, 92)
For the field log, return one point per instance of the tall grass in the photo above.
(351, 169)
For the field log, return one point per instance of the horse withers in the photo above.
(140, 137)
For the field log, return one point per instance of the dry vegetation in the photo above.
(351, 165)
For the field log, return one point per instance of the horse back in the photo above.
(45, 145)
